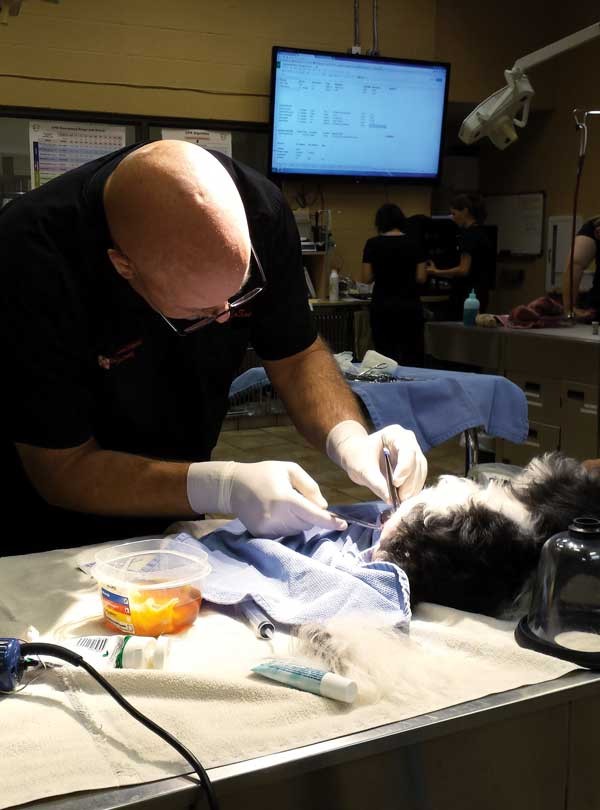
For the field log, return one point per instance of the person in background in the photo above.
(131, 288)
(586, 250)
(394, 261)
(476, 255)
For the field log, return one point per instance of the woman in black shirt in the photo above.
(395, 262)
(477, 258)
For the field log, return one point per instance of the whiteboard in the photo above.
(520, 222)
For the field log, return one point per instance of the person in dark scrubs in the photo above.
(476, 265)
(132, 287)
(395, 262)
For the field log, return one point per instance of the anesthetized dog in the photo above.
(474, 547)
(469, 546)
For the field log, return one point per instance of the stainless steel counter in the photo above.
(528, 748)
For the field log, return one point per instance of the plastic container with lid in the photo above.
(564, 615)
(151, 587)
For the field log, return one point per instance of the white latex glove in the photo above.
(271, 498)
(360, 455)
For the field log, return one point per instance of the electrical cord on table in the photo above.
(54, 650)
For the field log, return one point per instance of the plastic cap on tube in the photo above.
(338, 688)
(162, 651)
(137, 653)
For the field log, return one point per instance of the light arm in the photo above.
(500, 113)
(555, 48)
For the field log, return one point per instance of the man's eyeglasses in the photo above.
(185, 327)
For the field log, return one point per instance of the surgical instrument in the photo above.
(389, 475)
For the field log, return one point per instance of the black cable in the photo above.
(203, 90)
(54, 650)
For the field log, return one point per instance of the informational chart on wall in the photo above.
(209, 139)
(57, 146)
(520, 222)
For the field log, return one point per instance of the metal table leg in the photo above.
(471, 449)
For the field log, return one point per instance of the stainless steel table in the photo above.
(528, 748)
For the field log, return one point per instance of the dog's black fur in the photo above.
(476, 557)
(469, 558)
(555, 490)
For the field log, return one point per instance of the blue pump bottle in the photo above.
(470, 309)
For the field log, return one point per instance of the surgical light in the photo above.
(502, 113)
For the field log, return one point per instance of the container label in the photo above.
(110, 596)
(117, 610)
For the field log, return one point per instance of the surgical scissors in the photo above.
(366, 523)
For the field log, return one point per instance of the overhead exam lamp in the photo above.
(500, 113)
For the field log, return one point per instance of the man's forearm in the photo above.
(105, 482)
(315, 394)
(447, 272)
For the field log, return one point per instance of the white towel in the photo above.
(75, 737)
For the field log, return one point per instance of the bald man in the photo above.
(132, 287)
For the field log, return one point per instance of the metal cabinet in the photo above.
(579, 420)
(558, 370)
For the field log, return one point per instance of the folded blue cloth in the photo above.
(438, 404)
(310, 576)
(435, 404)
(252, 378)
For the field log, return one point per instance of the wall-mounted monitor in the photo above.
(364, 117)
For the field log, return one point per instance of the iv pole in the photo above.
(581, 126)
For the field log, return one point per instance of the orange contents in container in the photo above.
(151, 587)
(156, 612)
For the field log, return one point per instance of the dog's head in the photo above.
(462, 545)
(473, 547)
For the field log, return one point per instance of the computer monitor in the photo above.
(361, 117)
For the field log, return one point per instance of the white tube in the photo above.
(317, 681)
(120, 652)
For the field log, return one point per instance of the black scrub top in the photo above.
(394, 261)
(474, 241)
(85, 356)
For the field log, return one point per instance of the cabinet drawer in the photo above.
(579, 420)
(552, 357)
(470, 346)
(543, 396)
(540, 439)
